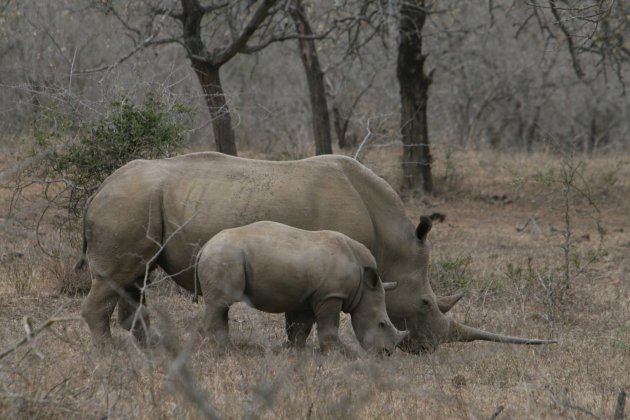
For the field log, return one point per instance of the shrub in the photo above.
(450, 274)
(147, 131)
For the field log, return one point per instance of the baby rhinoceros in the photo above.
(310, 276)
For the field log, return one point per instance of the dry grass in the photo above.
(485, 196)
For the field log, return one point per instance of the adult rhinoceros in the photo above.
(160, 212)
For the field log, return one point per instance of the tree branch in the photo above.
(146, 43)
(213, 7)
(160, 11)
(223, 55)
(576, 64)
(247, 49)
(31, 333)
(111, 9)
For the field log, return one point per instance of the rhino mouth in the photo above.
(385, 353)
(419, 349)
(415, 347)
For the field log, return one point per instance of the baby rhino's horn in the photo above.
(390, 285)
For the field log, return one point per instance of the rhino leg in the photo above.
(327, 317)
(132, 315)
(221, 275)
(97, 311)
(218, 301)
(215, 323)
(298, 327)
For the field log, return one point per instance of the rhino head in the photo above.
(370, 322)
(416, 307)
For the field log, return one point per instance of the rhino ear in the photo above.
(423, 228)
(370, 277)
(437, 217)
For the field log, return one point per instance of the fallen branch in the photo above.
(565, 404)
(535, 228)
(496, 413)
(32, 333)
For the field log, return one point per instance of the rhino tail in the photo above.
(197, 285)
(79, 265)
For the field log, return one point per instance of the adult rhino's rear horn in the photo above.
(445, 303)
(461, 332)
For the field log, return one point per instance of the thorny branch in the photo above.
(179, 369)
(365, 142)
(601, 27)
(32, 333)
(576, 64)
(565, 403)
(149, 266)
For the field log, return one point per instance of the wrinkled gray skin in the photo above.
(311, 276)
(161, 212)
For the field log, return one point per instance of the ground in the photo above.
(513, 273)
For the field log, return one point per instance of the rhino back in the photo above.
(329, 192)
(205, 194)
(393, 230)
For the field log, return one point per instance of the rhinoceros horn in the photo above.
(445, 303)
(461, 332)
(391, 285)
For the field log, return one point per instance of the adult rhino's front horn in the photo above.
(465, 333)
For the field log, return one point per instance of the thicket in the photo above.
(147, 130)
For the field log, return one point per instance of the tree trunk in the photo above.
(207, 71)
(531, 131)
(592, 138)
(315, 79)
(414, 86)
(219, 111)
(341, 128)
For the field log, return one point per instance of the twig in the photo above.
(148, 268)
(367, 137)
(535, 227)
(31, 333)
(189, 387)
(576, 64)
(496, 413)
(39, 221)
(564, 403)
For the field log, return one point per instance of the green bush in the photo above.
(450, 274)
(145, 131)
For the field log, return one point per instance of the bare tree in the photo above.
(207, 63)
(212, 35)
(597, 28)
(375, 21)
(315, 80)
(414, 86)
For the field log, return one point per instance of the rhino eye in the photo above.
(425, 302)
(382, 324)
